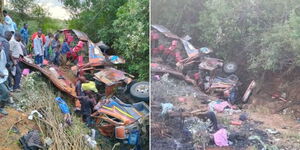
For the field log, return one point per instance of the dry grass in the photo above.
(38, 95)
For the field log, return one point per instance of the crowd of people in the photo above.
(14, 46)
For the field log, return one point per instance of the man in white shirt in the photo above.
(38, 49)
(16, 54)
(8, 22)
(4, 92)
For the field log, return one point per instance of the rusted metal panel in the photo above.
(63, 83)
(189, 48)
(95, 53)
(110, 76)
(165, 31)
(210, 63)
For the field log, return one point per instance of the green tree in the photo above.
(132, 31)
(22, 7)
(95, 17)
(39, 13)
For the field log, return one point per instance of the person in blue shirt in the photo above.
(15, 26)
(65, 47)
(25, 34)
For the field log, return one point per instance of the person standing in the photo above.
(55, 44)
(38, 49)
(8, 22)
(47, 45)
(15, 26)
(25, 34)
(65, 47)
(16, 55)
(4, 92)
(5, 44)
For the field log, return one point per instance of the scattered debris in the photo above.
(48, 141)
(166, 107)
(30, 117)
(31, 141)
(90, 141)
(272, 131)
(221, 138)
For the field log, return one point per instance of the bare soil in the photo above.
(15, 119)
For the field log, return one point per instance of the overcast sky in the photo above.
(55, 8)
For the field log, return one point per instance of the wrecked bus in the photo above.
(87, 58)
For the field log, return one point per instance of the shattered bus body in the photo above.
(194, 65)
(90, 60)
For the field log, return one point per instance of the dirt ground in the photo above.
(169, 133)
(14, 120)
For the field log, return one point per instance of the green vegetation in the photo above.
(37, 17)
(259, 35)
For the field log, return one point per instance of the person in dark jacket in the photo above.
(87, 104)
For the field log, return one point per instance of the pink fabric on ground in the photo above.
(221, 138)
(221, 106)
(45, 62)
(26, 72)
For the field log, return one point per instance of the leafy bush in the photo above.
(131, 28)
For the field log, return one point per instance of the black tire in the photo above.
(140, 91)
(233, 78)
(230, 67)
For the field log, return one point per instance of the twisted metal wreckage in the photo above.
(195, 66)
(115, 118)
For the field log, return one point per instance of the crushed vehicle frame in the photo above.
(65, 81)
(207, 66)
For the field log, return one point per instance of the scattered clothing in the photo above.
(30, 117)
(221, 138)
(31, 140)
(25, 72)
(90, 86)
(218, 105)
(64, 109)
(62, 105)
(166, 107)
(243, 117)
(221, 106)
